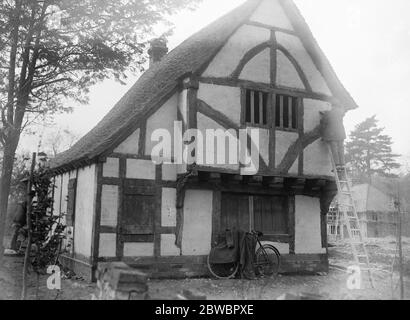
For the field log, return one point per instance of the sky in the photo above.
(366, 41)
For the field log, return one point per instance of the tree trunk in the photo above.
(368, 165)
(6, 174)
(29, 200)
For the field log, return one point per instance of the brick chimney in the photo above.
(157, 50)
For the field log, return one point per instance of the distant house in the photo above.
(375, 205)
(377, 210)
(257, 67)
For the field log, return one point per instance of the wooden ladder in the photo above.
(348, 217)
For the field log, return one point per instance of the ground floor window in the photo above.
(269, 214)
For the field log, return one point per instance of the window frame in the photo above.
(273, 237)
(271, 109)
(268, 93)
(298, 113)
(286, 200)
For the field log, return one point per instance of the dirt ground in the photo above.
(331, 286)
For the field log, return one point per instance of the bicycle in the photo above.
(267, 262)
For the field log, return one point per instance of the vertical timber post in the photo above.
(29, 199)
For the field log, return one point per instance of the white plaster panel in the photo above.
(73, 174)
(295, 167)
(258, 69)
(108, 245)
(270, 12)
(162, 119)
(168, 207)
(307, 226)
(109, 206)
(182, 168)
(226, 100)
(64, 193)
(282, 247)
(183, 105)
(284, 140)
(57, 194)
(132, 249)
(111, 168)
(317, 159)
(168, 247)
(244, 39)
(85, 210)
(197, 230)
(206, 123)
(140, 169)
(263, 145)
(169, 172)
(287, 75)
(129, 145)
(298, 51)
(312, 112)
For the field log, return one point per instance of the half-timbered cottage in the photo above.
(257, 67)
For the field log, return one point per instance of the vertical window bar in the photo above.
(277, 111)
(248, 106)
(295, 113)
(290, 107)
(256, 104)
(281, 111)
(265, 107)
(285, 112)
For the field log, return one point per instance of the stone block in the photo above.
(118, 281)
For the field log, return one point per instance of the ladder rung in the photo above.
(347, 215)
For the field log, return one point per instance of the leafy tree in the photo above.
(369, 151)
(51, 50)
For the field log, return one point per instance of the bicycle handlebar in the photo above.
(257, 233)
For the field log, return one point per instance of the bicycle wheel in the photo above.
(222, 270)
(267, 261)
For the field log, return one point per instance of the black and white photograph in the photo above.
(226, 152)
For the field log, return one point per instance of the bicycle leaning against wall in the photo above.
(266, 261)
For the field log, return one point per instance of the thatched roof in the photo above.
(165, 76)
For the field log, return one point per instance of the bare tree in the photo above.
(57, 141)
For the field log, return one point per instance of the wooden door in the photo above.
(138, 211)
(72, 188)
